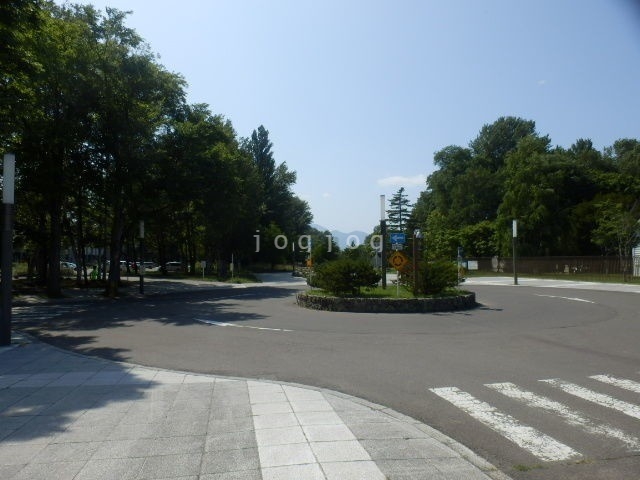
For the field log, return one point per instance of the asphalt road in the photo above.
(418, 364)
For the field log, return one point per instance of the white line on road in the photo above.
(618, 382)
(224, 324)
(532, 440)
(571, 417)
(575, 299)
(595, 397)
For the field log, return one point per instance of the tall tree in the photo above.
(137, 95)
(399, 211)
(276, 179)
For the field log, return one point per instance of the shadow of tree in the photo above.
(179, 308)
(51, 397)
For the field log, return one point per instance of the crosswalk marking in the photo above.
(595, 397)
(536, 442)
(618, 382)
(571, 417)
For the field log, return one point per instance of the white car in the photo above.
(173, 266)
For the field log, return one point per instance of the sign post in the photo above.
(398, 260)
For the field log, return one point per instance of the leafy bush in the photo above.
(345, 276)
(435, 277)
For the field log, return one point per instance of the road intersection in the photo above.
(532, 359)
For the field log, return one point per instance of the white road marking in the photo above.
(532, 440)
(575, 299)
(618, 382)
(595, 397)
(571, 417)
(224, 324)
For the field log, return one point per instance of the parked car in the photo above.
(173, 266)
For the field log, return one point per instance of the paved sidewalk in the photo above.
(67, 416)
(552, 283)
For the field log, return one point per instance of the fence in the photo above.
(581, 268)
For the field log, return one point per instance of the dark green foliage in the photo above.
(345, 276)
(511, 172)
(399, 212)
(94, 114)
(436, 277)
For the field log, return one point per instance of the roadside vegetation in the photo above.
(105, 139)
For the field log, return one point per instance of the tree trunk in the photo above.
(116, 251)
(55, 238)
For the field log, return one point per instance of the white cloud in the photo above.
(400, 181)
(326, 195)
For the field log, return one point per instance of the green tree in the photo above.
(20, 26)
(479, 239)
(617, 226)
(440, 238)
(399, 211)
(276, 179)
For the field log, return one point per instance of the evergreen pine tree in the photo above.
(399, 211)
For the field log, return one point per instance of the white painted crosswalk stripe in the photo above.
(528, 438)
(595, 397)
(618, 382)
(568, 415)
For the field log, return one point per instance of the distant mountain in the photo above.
(341, 238)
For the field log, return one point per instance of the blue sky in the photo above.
(357, 95)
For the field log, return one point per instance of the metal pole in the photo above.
(383, 234)
(415, 264)
(417, 236)
(6, 262)
(515, 245)
(141, 268)
(383, 260)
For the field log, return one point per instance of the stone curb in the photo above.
(464, 301)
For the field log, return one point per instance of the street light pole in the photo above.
(417, 236)
(6, 263)
(515, 245)
(141, 267)
(383, 235)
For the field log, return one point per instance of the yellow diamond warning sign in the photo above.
(398, 260)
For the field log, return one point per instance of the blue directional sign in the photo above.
(398, 238)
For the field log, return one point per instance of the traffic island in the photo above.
(463, 301)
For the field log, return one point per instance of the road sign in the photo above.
(398, 260)
(398, 237)
(397, 246)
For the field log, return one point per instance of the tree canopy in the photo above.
(104, 139)
(575, 201)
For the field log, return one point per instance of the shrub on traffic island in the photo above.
(345, 276)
